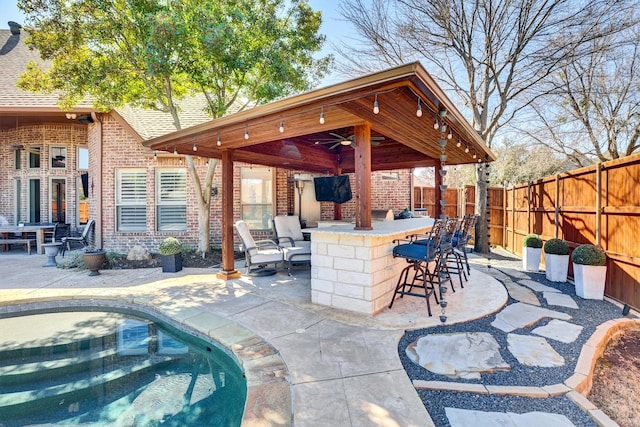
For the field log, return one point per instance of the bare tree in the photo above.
(491, 54)
(591, 107)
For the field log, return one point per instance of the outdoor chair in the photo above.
(85, 239)
(421, 251)
(60, 232)
(461, 239)
(452, 259)
(258, 252)
(288, 231)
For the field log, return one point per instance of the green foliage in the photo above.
(589, 255)
(170, 246)
(532, 241)
(556, 247)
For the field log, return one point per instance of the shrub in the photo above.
(556, 247)
(589, 255)
(170, 246)
(532, 241)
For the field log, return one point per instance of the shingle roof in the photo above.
(14, 57)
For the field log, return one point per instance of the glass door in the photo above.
(59, 200)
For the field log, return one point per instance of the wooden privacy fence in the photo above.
(461, 201)
(598, 204)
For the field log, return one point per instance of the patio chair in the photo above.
(85, 239)
(461, 239)
(258, 252)
(420, 251)
(289, 232)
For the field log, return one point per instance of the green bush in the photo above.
(532, 241)
(589, 255)
(556, 247)
(170, 246)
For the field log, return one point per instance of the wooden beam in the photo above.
(362, 140)
(228, 268)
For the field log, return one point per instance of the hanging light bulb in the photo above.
(218, 142)
(419, 109)
(195, 147)
(321, 115)
(459, 143)
(436, 125)
(281, 128)
(155, 154)
(246, 132)
(466, 148)
(475, 155)
(376, 109)
(450, 134)
(175, 150)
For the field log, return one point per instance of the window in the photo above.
(83, 158)
(131, 200)
(256, 197)
(171, 196)
(34, 157)
(16, 159)
(58, 156)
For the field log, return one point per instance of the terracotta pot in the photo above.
(94, 260)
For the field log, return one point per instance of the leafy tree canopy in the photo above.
(149, 52)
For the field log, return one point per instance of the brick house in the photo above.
(69, 166)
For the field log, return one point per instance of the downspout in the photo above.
(98, 183)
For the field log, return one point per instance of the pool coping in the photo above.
(268, 401)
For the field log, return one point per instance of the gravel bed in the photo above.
(591, 313)
(436, 401)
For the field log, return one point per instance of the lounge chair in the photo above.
(258, 252)
(289, 232)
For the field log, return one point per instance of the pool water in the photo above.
(113, 369)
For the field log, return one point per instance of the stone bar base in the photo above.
(355, 269)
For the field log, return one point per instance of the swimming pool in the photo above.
(114, 368)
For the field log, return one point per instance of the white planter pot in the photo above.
(589, 280)
(556, 267)
(531, 259)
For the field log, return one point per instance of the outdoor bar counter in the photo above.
(355, 269)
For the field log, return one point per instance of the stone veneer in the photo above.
(355, 269)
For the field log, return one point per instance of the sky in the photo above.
(333, 26)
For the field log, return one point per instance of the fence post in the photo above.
(513, 218)
(528, 207)
(556, 219)
(598, 202)
(504, 216)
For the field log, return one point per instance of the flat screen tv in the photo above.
(335, 189)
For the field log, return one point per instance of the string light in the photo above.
(450, 134)
(281, 128)
(155, 154)
(436, 125)
(218, 142)
(475, 155)
(459, 143)
(321, 115)
(466, 148)
(419, 109)
(246, 132)
(175, 150)
(195, 147)
(376, 109)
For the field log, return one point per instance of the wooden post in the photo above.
(528, 207)
(513, 219)
(337, 207)
(598, 203)
(362, 140)
(228, 268)
(504, 216)
(557, 217)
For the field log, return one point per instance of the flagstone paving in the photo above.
(562, 300)
(519, 315)
(520, 293)
(536, 286)
(560, 331)
(533, 351)
(465, 418)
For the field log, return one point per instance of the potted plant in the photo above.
(94, 259)
(171, 254)
(556, 260)
(531, 252)
(589, 271)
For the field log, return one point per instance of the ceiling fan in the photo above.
(346, 140)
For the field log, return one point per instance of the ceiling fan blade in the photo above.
(337, 144)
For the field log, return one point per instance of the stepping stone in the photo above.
(533, 351)
(521, 293)
(538, 287)
(515, 273)
(519, 315)
(560, 331)
(499, 275)
(459, 355)
(466, 417)
(562, 300)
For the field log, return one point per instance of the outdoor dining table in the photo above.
(38, 229)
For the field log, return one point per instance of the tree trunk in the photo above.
(203, 196)
(482, 230)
